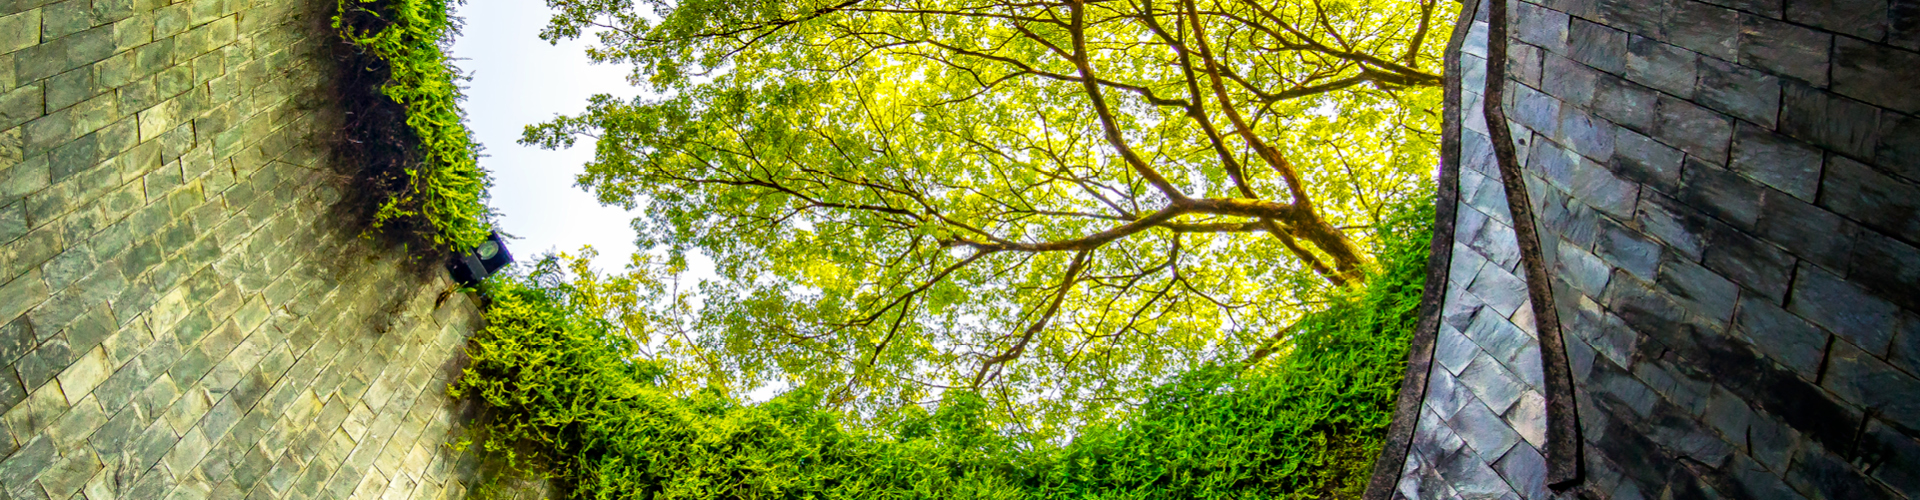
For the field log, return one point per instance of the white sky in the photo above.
(519, 80)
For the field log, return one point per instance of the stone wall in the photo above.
(186, 309)
(1481, 432)
(1726, 193)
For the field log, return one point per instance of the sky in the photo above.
(518, 80)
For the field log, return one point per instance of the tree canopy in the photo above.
(1055, 205)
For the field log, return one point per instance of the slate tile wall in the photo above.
(182, 313)
(1726, 192)
(1482, 427)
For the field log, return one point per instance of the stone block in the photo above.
(1673, 427)
(1698, 290)
(84, 374)
(1827, 300)
(1499, 289)
(1807, 231)
(1614, 386)
(1861, 18)
(1484, 432)
(1876, 200)
(1877, 74)
(1785, 49)
(1641, 159)
(1790, 166)
(1531, 109)
(1540, 27)
(53, 57)
(1898, 454)
(1643, 18)
(1899, 146)
(71, 429)
(1785, 338)
(1759, 267)
(19, 30)
(60, 19)
(1827, 120)
(1628, 250)
(18, 471)
(1704, 28)
(1585, 134)
(1739, 91)
(1683, 229)
(1722, 194)
(1862, 379)
(1903, 17)
(1528, 417)
(1597, 45)
(1661, 66)
(1698, 131)
(39, 366)
(1889, 267)
(1523, 65)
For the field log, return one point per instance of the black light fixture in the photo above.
(472, 267)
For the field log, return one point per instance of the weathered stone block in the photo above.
(1758, 266)
(1698, 289)
(1889, 267)
(1663, 67)
(1628, 250)
(1698, 131)
(1597, 45)
(1739, 91)
(1807, 231)
(1533, 110)
(1641, 159)
(19, 470)
(1862, 18)
(1722, 194)
(1540, 27)
(1643, 18)
(1875, 199)
(1860, 378)
(56, 56)
(19, 30)
(1899, 146)
(1585, 134)
(1784, 164)
(1830, 121)
(1704, 28)
(1484, 432)
(1783, 337)
(1785, 49)
(1843, 308)
(1523, 64)
(1878, 74)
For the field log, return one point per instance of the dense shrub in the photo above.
(440, 183)
(1304, 424)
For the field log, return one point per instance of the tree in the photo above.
(1055, 203)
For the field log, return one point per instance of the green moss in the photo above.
(443, 185)
(1305, 424)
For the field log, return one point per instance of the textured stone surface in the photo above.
(1740, 292)
(187, 310)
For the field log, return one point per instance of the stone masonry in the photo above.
(1482, 428)
(183, 313)
(1728, 194)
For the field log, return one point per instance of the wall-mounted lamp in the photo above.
(472, 267)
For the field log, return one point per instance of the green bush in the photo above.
(443, 183)
(1305, 424)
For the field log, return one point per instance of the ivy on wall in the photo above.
(1304, 423)
(441, 183)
